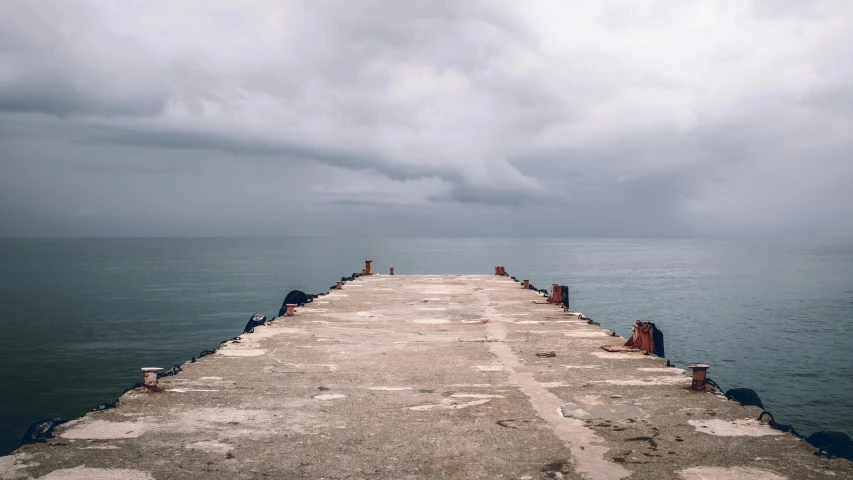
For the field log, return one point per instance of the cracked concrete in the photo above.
(424, 377)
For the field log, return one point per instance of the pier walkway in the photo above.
(416, 377)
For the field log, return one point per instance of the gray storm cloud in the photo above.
(451, 118)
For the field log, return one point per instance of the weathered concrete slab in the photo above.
(424, 377)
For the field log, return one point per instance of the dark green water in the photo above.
(78, 318)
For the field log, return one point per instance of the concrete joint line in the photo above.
(586, 447)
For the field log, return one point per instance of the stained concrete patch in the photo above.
(84, 473)
(488, 368)
(475, 395)
(585, 333)
(305, 367)
(223, 419)
(185, 390)
(241, 352)
(645, 382)
(604, 412)
(289, 330)
(11, 466)
(448, 404)
(589, 399)
(330, 396)
(105, 430)
(734, 428)
(672, 370)
(212, 446)
(730, 473)
(479, 339)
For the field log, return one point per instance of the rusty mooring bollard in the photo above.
(556, 294)
(368, 267)
(497, 270)
(699, 371)
(392, 270)
(526, 285)
(149, 378)
(339, 285)
(290, 307)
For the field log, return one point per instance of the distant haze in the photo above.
(665, 117)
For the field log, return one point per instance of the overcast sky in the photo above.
(142, 118)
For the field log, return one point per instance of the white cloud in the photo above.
(633, 117)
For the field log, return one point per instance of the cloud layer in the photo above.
(451, 118)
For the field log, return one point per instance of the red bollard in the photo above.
(339, 285)
(368, 267)
(699, 372)
(556, 295)
(290, 311)
(526, 285)
(149, 378)
(392, 270)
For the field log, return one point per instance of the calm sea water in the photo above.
(79, 317)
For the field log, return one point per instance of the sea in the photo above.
(79, 317)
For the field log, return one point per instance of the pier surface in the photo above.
(397, 377)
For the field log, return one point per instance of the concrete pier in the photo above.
(398, 377)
